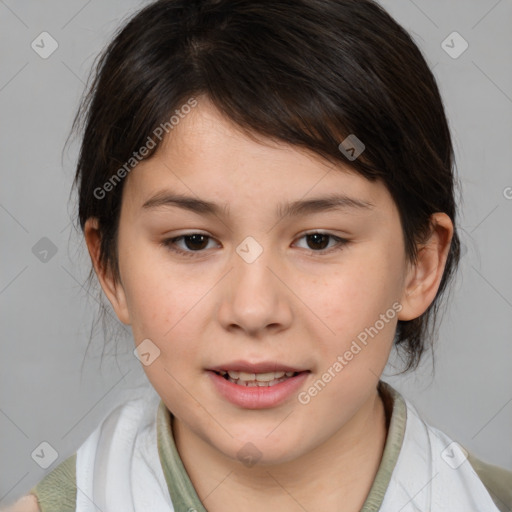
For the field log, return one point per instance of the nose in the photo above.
(255, 298)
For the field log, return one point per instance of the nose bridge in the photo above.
(253, 281)
(256, 299)
(251, 270)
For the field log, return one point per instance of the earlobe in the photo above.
(112, 288)
(424, 276)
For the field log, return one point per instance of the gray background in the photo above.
(46, 314)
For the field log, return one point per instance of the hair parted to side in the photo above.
(304, 72)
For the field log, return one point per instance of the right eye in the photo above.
(193, 243)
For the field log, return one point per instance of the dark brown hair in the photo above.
(306, 72)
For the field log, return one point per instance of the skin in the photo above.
(292, 305)
(25, 504)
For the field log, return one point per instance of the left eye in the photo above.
(320, 241)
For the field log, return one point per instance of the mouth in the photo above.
(259, 385)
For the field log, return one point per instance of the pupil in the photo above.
(318, 239)
(190, 240)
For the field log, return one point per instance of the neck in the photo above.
(339, 472)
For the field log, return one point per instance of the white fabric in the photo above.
(118, 468)
(432, 474)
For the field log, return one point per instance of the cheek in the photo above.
(168, 311)
(358, 293)
(171, 308)
(351, 300)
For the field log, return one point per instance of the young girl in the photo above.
(266, 191)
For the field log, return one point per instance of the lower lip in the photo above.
(256, 397)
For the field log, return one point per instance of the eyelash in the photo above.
(169, 243)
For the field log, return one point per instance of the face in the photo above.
(272, 266)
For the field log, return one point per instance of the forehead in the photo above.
(207, 155)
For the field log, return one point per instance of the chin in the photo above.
(262, 449)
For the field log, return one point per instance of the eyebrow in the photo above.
(296, 208)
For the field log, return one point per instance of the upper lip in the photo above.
(261, 367)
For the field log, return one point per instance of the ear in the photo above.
(424, 277)
(113, 289)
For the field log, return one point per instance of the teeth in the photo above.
(260, 377)
(256, 379)
(242, 375)
(256, 383)
(267, 377)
